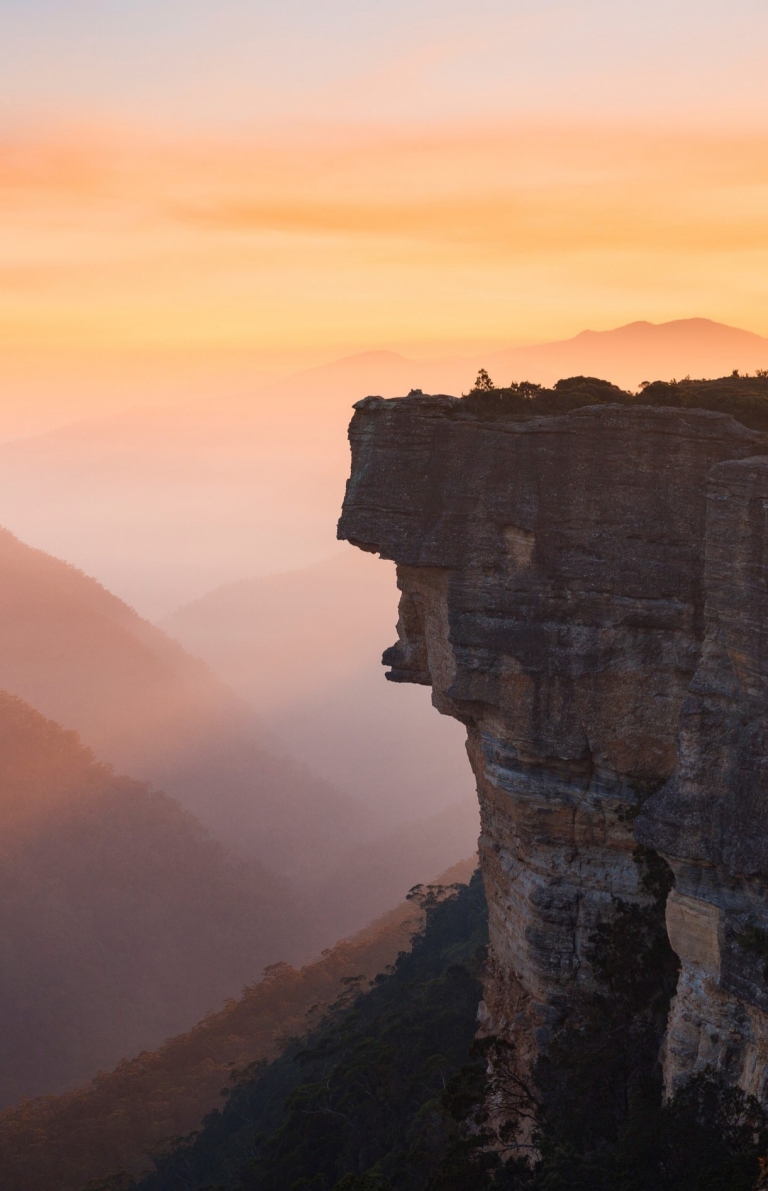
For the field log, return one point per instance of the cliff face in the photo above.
(569, 597)
(711, 818)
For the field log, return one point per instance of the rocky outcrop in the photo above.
(573, 595)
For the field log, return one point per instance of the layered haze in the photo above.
(165, 503)
(304, 649)
(198, 197)
(222, 224)
(131, 907)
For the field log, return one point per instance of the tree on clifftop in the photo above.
(484, 382)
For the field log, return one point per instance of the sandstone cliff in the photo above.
(711, 818)
(587, 593)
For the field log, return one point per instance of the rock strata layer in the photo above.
(587, 593)
(711, 818)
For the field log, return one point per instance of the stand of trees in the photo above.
(745, 398)
(390, 1092)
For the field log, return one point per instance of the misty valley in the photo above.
(383, 595)
(245, 939)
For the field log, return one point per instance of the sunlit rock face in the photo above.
(553, 595)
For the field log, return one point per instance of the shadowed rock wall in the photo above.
(711, 818)
(555, 597)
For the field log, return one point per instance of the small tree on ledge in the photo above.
(484, 382)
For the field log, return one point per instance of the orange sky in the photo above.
(372, 238)
(277, 184)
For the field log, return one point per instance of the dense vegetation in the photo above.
(59, 1143)
(744, 397)
(364, 1089)
(390, 1092)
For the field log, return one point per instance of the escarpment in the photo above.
(588, 594)
(711, 818)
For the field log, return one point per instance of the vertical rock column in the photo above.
(711, 819)
(551, 578)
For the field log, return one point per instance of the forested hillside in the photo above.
(58, 1143)
(393, 1092)
(361, 1095)
(121, 920)
(83, 657)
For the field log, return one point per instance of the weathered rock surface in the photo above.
(711, 819)
(556, 598)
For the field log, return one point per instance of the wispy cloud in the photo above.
(376, 235)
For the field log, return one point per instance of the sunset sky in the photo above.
(282, 182)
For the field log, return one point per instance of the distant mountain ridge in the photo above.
(121, 920)
(304, 648)
(166, 504)
(637, 352)
(85, 659)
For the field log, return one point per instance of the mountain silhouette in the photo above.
(637, 352)
(304, 648)
(121, 920)
(85, 659)
(166, 504)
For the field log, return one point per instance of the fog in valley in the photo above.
(203, 770)
(260, 926)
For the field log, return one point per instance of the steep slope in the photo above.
(304, 648)
(711, 819)
(392, 1091)
(84, 658)
(372, 876)
(87, 660)
(58, 1143)
(364, 1077)
(121, 920)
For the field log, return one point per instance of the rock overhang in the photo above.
(571, 585)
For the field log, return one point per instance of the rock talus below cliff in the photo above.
(586, 593)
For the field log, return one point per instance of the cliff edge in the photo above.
(587, 593)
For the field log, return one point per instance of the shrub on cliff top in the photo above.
(745, 398)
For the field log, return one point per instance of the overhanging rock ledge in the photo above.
(588, 594)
